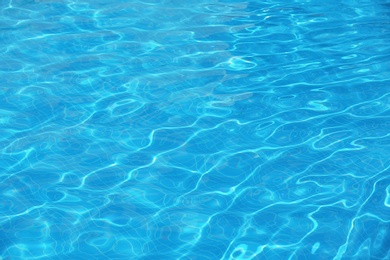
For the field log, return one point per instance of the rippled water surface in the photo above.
(183, 129)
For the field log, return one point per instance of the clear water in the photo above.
(183, 129)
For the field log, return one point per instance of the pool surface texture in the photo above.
(183, 129)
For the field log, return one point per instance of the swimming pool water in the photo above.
(209, 129)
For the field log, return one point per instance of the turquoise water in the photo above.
(218, 129)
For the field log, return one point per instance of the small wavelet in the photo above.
(315, 247)
(239, 63)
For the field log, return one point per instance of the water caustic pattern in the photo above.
(218, 129)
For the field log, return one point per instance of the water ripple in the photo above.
(181, 130)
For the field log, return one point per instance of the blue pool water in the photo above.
(183, 129)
